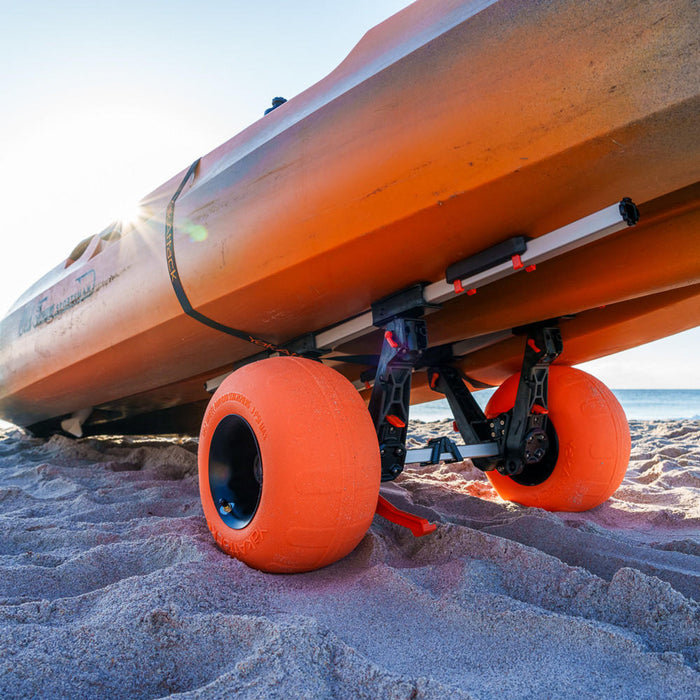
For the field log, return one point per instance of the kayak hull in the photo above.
(450, 128)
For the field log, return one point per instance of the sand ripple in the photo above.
(111, 586)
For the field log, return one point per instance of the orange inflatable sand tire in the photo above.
(589, 445)
(289, 466)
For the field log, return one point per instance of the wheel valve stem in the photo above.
(225, 506)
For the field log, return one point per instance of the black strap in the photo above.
(177, 283)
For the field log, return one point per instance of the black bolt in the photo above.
(276, 102)
(512, 467)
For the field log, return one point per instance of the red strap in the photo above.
(418, 526)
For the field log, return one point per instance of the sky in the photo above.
(100, 102)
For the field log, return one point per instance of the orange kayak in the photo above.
(450, 128)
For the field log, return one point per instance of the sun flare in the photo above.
(130, 215)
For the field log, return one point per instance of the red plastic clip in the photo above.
(459, 288)
(541, 410)
(471, 292)
(532, 344)
(418, 526)
(395, 421)
(454, 426)
(389, 336)
(517, 262)
(368, 385)
(530, 268)
(434, 379)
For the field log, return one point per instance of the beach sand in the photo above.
(112, 587)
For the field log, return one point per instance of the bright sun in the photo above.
(130, 215)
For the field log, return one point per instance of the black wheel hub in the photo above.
(540, 454)
(235, 471)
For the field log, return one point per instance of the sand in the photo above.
(111, 585)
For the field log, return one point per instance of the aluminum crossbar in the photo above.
(550, 245)
(486, 449)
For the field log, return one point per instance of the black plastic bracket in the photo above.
(305, 346)
(405, 339)
(522, 433)
(471, 422)
(408, 302)
(440, 446)
(486, 259)
(629, 211)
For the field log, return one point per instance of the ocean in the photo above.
(639, 404)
